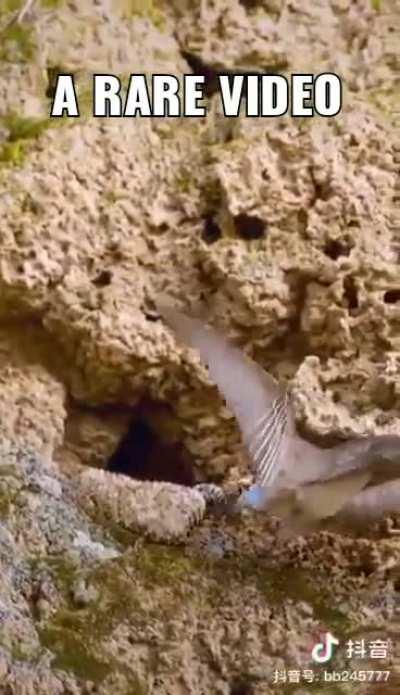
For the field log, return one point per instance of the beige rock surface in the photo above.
(32, 404)
(97, 218)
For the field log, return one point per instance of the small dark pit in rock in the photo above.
(249, 4)
(335, 248)
(391, 296)
(249, 226)
(211, 230)
(241, 687)
(350, 292)
(102, 279)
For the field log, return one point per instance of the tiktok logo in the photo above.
(323, 651)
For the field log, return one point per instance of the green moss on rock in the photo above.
(5, 503)
(21, 131)
(142, 8)
(74, 634)
(162, 566)
(72, 653)
(17, 43)
(173, 580)
(22, 128)
(51, 4)
(11, 5)
(62, 569)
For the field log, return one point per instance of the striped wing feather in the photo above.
(259, 403)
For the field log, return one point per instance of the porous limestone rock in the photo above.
(116, 214)
(32, 403)
(82, 611)
(286, 233)
(42, 534)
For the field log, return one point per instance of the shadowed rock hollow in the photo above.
(287, 231)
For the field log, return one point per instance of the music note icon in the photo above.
(323, 651)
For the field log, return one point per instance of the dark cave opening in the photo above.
(391, 296)
(152, 449)
(241, 687)
(211, 72)
(350, 293)
(334, 249)
(103, 278)
(211, 229)
(249, 4)
(249, 226)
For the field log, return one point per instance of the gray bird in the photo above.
(293, 479)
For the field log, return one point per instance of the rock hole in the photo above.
(353, 142)
(211, 84)
(249, 226)
(366, 567)
(102, 279)
(211, 230)
(336, 397)
(241, 687)
(162, 228)
(249, 4)
(211, 73)
(229, 136)
(151, 449)
(302, 217)
(321, 190)
(384, 396)
(52, 73)
(391, 296)
(334, 248)
(150, 316)
(350, 292)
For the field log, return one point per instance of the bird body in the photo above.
(293, 478)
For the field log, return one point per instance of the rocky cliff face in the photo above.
(287, 231)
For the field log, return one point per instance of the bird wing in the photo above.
(342, 488)
(373, 503)
(267, 441)
(384, 457)
(322, 500)
(260, 404)
(380, 451)
(386, 445)
(306, 505)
